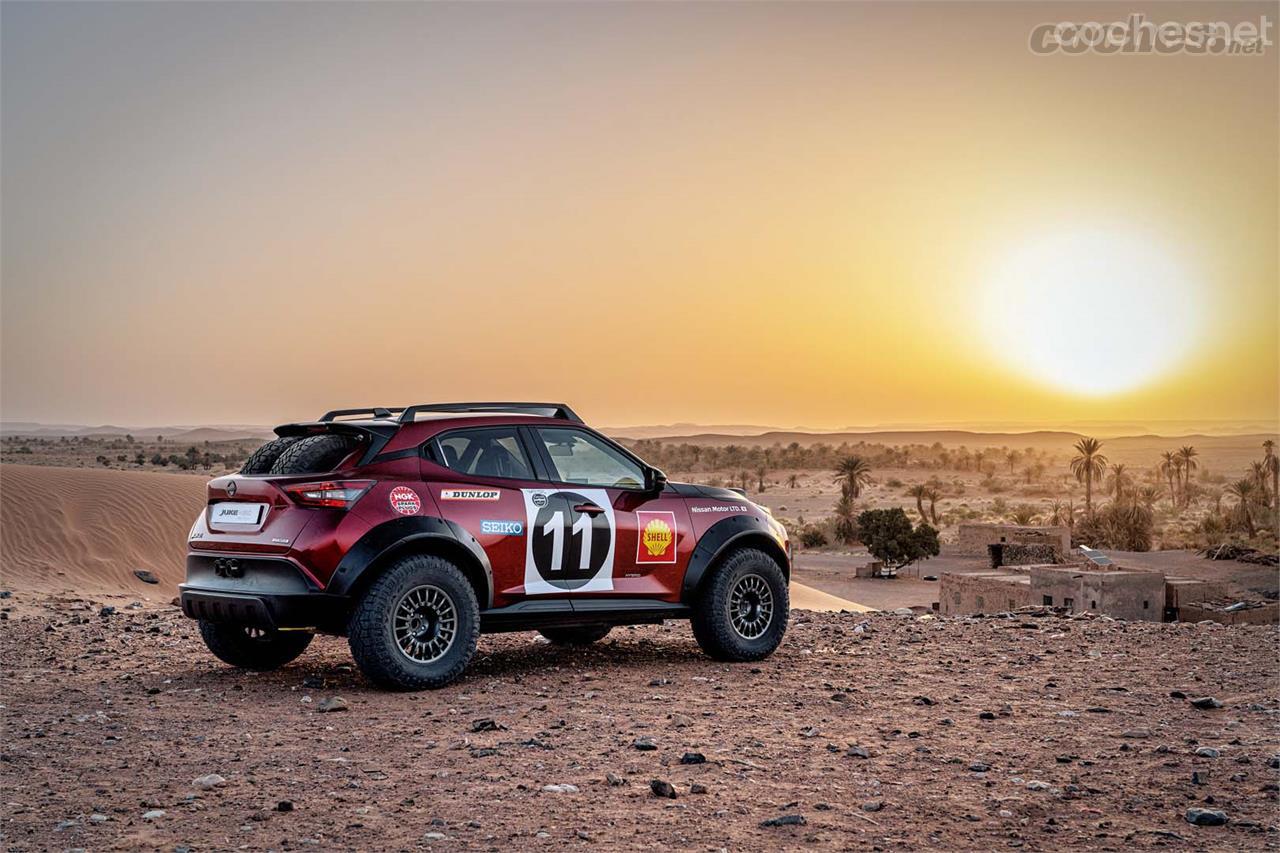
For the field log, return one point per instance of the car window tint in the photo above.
(485, 453)
(582, 458)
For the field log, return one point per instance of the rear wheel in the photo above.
(259, 649)
(417, 626)
(261, 460)
(315, 454)
(577, 636)
(741, 613)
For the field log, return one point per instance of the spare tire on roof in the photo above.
(261, 460)
(314, 454)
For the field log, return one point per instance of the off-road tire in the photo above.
(584, 635)
(370, 631)
(261, 460)
(712, 623)
(257, 649)
(314, 454)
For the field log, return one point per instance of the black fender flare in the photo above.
(402, 534)
(723, 536)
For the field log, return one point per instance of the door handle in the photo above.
(589, 509)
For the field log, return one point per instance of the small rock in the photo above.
(1037, 785)
(4, 593)
(560, 789)
(979, 767)
(313, 682)
(487, 724)
(284, 806)
(332, 704)
(98, 818)
(787, 819)
(1207, 752)
(1206, 703)
(873, 805)
(644, 744)
(1136, 734)
(923, 700)
(693, 758)
(662, 789)
(697, 788)
(153, 814)
(145, 576)
(614, 779)
(107, 611)
(1200, 777)
(1274, 762)
(857, 752)
(1206, 817)
(434, 836)
(208, 781)
(680, 721)
(986, 715)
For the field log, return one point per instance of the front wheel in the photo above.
(741, 613)
(259, 649)
(580, 636)
(417, 626)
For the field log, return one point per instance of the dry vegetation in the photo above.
(129, 453)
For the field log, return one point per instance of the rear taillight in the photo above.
(334, 494)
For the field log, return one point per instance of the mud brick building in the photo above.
(972, 540)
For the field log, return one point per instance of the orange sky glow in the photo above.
(817, 214)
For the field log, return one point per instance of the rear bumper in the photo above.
(261, 592)
(257, 610)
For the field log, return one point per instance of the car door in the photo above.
(600, 533)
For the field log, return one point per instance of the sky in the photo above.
(820, 214)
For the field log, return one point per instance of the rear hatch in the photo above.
(250, 514)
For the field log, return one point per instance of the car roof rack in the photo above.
(376, 411)
(550, 410)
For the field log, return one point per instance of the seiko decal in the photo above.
(657, 540)
(566, 549)
(502, 528)
(470, 494)
(405, 500)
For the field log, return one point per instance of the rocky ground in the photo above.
(887, 732)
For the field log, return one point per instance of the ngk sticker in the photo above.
(405, 500)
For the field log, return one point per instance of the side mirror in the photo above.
(654, 480)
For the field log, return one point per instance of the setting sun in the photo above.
(1093, 310)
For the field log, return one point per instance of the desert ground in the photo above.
(865, 730)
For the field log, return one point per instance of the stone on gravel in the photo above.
(614, 779)
(153, 814)
(693, 758)
(979, 767)
(1206, 817)
(145, 576)
(1037, 785)
(560, 789)
(284, 806)
(107, 611)
(1207, 752)
(487, 724)
(857, 752)
(644, 744)
(660, 788)
(208, 781)
(332, 704)
(873, 805)
(697, 788)
(1206, 703)
(785, 820)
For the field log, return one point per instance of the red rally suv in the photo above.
(412, 530)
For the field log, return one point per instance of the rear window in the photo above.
(488, 452)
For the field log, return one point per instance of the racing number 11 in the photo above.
(555, 527)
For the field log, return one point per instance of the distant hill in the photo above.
(231, 432)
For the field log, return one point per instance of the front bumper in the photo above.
(260, 592)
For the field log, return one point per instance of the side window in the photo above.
(579, 457)
(489, 452)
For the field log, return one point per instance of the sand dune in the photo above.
(84, 530)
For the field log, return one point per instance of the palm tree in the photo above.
(1168, 468)
(760, 472)
(1012, 458)
(744, 477)
(1148, 495)
(932, 496)
(919, 492)
(1242, 491)
(1119, 480)
(1273, 465)
(852, 473)
(1087, 465)
(846, 520)
(793, 481)
(1187, 455)
(1260, 474)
